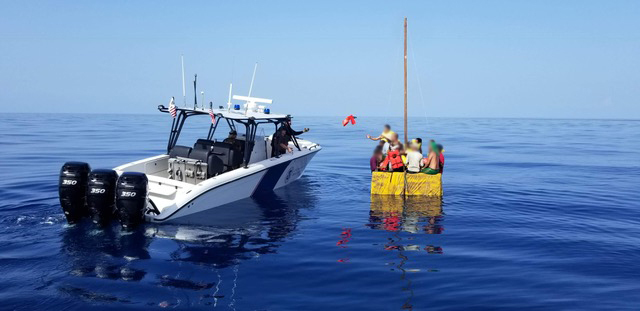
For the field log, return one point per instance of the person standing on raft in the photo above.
(386, 135)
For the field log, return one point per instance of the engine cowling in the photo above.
(101, 195)
(131, 198)
(72, 190)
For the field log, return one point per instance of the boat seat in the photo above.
(180, 151)
(226, 153)
(203, 144)
(215, 165)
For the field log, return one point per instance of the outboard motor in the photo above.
(72, 189)
(101, 195)
(131, 198)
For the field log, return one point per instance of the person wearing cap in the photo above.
(289, 132)
(236, 145)
(418, 141)
(414, 157)
(233, 135)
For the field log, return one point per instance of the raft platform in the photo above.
(406, 184)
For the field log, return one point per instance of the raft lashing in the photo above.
(400, 183)
(102, 195)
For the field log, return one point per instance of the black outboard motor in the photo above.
(72, 189)
(131, 198)
(101, 196)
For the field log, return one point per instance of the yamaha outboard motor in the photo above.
(101, 195)
(131, 198)
(72, 189)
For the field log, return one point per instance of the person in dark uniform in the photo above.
(280, 143)
(290, 132)
(237, 147)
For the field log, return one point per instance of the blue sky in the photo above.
(550, 59)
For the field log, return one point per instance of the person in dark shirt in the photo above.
(290, 131)
(376, 159)
(280, 143)
(232, 139)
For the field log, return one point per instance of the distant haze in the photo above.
(549, 59)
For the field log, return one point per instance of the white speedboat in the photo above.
(191, 179)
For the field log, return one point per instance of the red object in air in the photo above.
(348, 119)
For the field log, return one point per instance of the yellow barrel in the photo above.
(393, 183)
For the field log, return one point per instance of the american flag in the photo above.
(213, 116)
(172, 108)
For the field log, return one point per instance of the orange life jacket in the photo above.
(394, 157)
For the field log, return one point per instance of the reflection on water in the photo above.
(412, 215)
(202, 252)
(104, 253)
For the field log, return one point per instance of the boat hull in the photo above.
(239, 184)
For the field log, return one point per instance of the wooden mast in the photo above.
(406, 139)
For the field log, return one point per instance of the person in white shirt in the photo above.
(414, 158)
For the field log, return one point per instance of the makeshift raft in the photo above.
(406, 184)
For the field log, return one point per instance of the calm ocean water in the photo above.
(537, 214)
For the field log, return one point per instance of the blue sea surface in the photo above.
(536, 214)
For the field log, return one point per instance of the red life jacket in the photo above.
(394, 157)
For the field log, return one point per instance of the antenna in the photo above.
(195, 93)
(229, 102)
(253, 78)
(184, 93)
(202, 101)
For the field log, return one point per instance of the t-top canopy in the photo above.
(231, 113)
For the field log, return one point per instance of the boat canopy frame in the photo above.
(250, 123)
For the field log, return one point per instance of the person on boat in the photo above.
(441, 152)
(386, 134)
(280, 143)
(290, 131)
(236, 146)
(414, 157)
(233, 140)
(432, 162)
(376, 159)
(392, 162)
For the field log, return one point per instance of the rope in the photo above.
(413, 56)
(386, 115)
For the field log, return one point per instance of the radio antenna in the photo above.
(253, 78)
